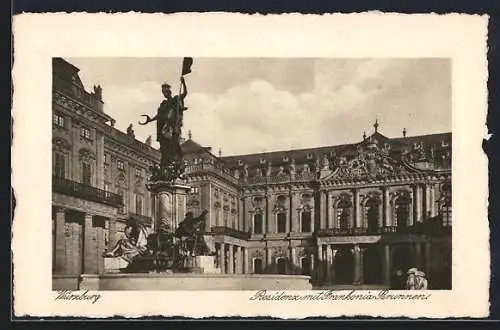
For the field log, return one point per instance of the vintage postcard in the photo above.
(216, 164)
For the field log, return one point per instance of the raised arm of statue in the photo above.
(148, 119)
(184, 88)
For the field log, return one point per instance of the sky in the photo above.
(251, 105)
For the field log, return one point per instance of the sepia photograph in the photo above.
(253, 173)
(288, 166)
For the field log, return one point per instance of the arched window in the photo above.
(86, 174)
(305, 221)
(281, 222)
(281, 215)
(402, 206)
(122, 208)
(60, 166)
(257, 223)
(343, 214)
(372, 207)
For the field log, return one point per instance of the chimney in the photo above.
(404, 132)
(220, 152)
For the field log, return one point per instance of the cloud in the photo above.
(336, 102)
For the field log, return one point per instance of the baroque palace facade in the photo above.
(346, 214)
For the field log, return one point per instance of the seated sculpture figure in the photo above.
(127, 248)
(191, 232)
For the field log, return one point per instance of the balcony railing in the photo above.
(144, 219)
(387, 230)
(76, 189)
(219, 230)
(211, 168)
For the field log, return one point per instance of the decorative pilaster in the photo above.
(222, 258)
(245, 261)
(357, 264)
(387, 264)
(270, 216)
(330, 211)
(329, 263)
(323, 213)
(100, 159)
(433, 201)
(387, 207)
(89, 248)
(313, 215)
(293, 259)
(269, 260)
(357, 213)
(428, 202)
(241, 214)
(60, 242)
(239, 263)
(247, 216)
(319, 263)
(230, 261)
(294, 214)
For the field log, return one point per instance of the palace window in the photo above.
(281, 222)
(58, 120)
(138, 204)
(257, 266)
(85, 133)
(138, 172)
(59, 166)
(257, 223)
(86, 174)
(122, 209)
(372, 207)
(217, 216)
(305, 222)
(226, 219)
(343, 214)
(120, 165)
(402, 211)
(446, 214)
(445, 207)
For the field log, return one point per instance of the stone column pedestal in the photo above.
(169, 203)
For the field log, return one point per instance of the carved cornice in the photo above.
(78, 108)
(132, 155)
(59, 143)
(86, 154)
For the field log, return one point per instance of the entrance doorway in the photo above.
(257, 266)
(281, 263)
(306, 266)
(372, 266)
(403, 259)
(344, 266)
